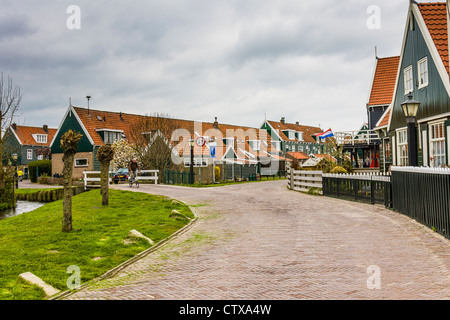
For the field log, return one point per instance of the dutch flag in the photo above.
(325, 134)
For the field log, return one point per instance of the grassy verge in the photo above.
(32, 190)
(33, 241)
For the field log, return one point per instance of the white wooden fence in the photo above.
(303, 180)
(92, 178)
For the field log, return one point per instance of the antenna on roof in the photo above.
(70, 101)
(376, 53)
(88, 98)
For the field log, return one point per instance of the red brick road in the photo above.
(262, 241)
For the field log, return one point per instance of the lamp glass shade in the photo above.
(14, 156)
(410, 107)
(191, 142)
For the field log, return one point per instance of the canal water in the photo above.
(21, 207)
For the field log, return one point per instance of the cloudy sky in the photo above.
(239, 60)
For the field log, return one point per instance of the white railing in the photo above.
(422, 170)
(153, 175)
(304, 180)
(376, 176)
(94, 176)
(356, 137)
(88, 178)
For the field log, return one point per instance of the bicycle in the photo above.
(133, 179)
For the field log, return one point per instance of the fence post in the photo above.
(291, 184)
(372, 191)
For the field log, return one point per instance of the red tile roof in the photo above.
(435, 17)
(308, 131)
(95, 120)
(25, 134)
(298, 155)
(383, 84)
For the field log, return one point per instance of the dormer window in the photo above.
(110, 136)
(40, 138)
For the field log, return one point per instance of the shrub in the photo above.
(338, 169)
(41, 167)
(216, 174)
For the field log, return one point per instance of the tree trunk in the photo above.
(67, 199)
(104, 182)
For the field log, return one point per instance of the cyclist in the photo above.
(133, 166)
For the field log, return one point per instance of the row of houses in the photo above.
(420, 72)
(266, 149)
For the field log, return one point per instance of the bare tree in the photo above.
(10, 98)
(69, 145)
(151, 140)
(105, 154)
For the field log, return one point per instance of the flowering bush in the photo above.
(123, 153)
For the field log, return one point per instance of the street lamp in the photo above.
(410, 108)
(16, 179)
(191, 167)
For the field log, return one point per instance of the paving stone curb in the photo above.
(115, 270)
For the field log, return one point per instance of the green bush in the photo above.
(42, 167)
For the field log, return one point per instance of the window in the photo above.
(402, 145)
(422, 68)
(300, 148)
(407, 73)
(437, 145)
(29, 154)
(81, 162)
(110, 136)
(276, 145)
(255, 144)
(228, 141)
(41, 138)
(40, 157)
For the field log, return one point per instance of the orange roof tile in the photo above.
(25, 134)
(435, 17)
(384, 81)
(95, 120)
(308, 131)
(298, 155)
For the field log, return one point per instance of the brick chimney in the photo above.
(297, 123)
(216, 124)
(14, 126)
(283, 121)
(45, 127)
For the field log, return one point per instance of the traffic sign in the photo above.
(200, 141)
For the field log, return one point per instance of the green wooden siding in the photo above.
(433, 98)
(71, 122)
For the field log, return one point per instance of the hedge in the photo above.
(44, 167)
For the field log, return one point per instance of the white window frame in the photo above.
(83, 165)
(402, 142)
(255, 144)
(40, 138)
(422, 82)
(408, 80)
(437, 155)
(29, 154)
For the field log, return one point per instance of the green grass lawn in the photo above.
(32, 190)
(33, 241)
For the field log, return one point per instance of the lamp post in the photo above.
(16, 179)
(191, 166)
(410, 108)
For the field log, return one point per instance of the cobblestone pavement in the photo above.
(262, 241)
